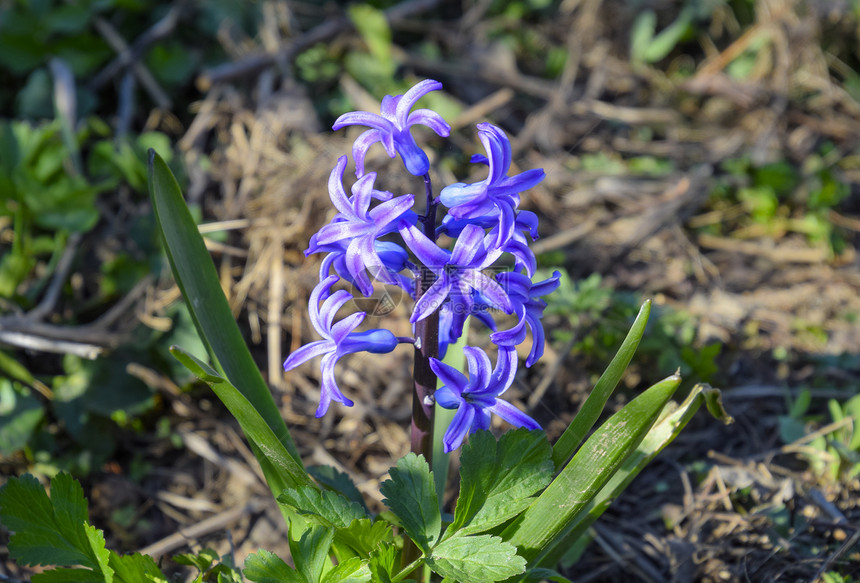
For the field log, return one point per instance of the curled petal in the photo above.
(515, 335)
(306, 352)
(329, 391)
(479, 366)
(362, 145)
(450, 377)
(513, 415)
(431, 119)
(340, 330)
(320, 291)
(459, 427)
(362, 193)
(537, 339)
(363, 118)
(411, 97)
(505, 371)
(330, 307)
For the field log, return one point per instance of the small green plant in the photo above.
(596, 317)
(776, 199)
(833, 450)
(50, 183)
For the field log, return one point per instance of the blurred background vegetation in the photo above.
(703, 153)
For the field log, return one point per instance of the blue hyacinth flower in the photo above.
(338, 340)
(392, 128)
(497, 196)
(476, 398)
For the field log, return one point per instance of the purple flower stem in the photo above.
(424, 386)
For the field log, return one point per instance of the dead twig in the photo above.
(254, 64)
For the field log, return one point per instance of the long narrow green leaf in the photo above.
(252, 424)
(540, 526)
(197, 279)
(664, 431)
(596, 401)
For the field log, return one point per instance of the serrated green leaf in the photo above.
(324, 506)
(383, 563)
(498, 479)
(411, 496)
(135, 568)
(266, 567)
(364, 536)
(52, 531)
(352, 570)
(332, 479)
(476, 559)
(310, 552)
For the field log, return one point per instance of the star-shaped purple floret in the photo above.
(525, 297)
(457, 272)
(338, 340)
(392, 128)
(477, 397)
(354, 230)
(498, 195)
(517, 245)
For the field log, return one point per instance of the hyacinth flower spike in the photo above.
(458, 272)
(392, 127)
(357, 226)
(498, 194)
(525, 297)
(477, 397)
(338, 340)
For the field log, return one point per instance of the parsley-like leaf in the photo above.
(332, 479)
(266, 567)
(310, 552)
(411, 496)
(352, 570)
(363, 536)
(52, 531)
(476, 559)
(323, 506)
(498, 479)
(134, 568)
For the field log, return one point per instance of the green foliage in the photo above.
(598, 317)
(411, 496)
(56, 531)
(499, 479)
(779, 198)
(327, 508)
(476, 559)
(833, 455)
(50, 179)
